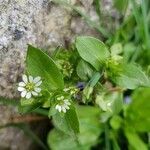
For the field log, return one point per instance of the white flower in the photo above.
(29, 86)
(63, 104)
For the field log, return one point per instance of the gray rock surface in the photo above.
(40, 23)
(22, 22)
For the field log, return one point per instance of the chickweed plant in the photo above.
(95, 93)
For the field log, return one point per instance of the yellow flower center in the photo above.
(29, 86)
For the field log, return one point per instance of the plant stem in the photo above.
(107, 142)
(145, 24)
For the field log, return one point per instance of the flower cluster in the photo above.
(29, 86)
(72, 90)
(62, 104)
(65, 67)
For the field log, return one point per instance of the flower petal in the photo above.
(21, 89)
(67, 102)
(37, 79)
(59, 108)
(28, 95)
(22, 84)
(34, 93)
(30, 79)
(37, 90)
(38, 83)
(108, 104)
(64, 109)
(25, 78)
(23, 94)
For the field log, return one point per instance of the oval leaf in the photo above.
(40, 64)
(92, 50)
(132, 77)
(68, 123)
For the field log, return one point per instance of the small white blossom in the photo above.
(109, 104)
(63, 104)
(29, 86)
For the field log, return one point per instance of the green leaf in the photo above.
(132, 77)
(28, 109)
(27, 106)
(134, 141)
(121, 5)
(40, 64)
(57, 140)
(138, 112)
(92, 50)
(89, 87)
(68, 122)
(90, 130)
(72, 119)
(94, 80)
(8, 101)
(84, 70)
(111, 103)
(116, 122)
(128, 51)
(52, 111)
(115, 142)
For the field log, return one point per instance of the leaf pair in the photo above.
(97, 54)
(40, 64)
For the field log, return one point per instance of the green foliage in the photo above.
(8, 101)
(139, 110)
(84, 70)
(90, 86)
(135, 141)
(120, 5)
(111, 102)
(89, 131)
(106, 74)
(93, 51)
(38, 63)
(131, 77)
(28, 106)
(68, 123)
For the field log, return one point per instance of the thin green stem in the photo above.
(107, 142)
(145, 23)
(136, 13)
(8, 101)
(41, 111)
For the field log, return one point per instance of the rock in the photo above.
(39, 23)
(87, 4)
